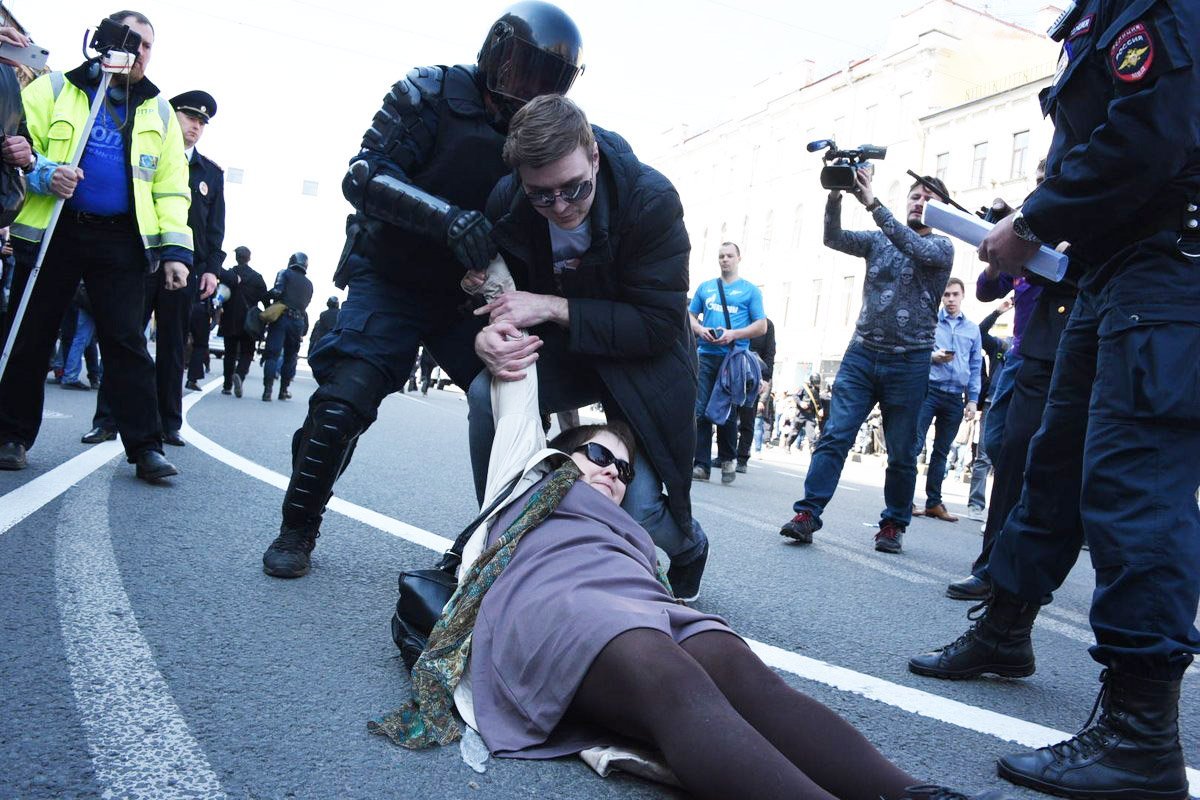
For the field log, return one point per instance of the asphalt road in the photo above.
(145, 654)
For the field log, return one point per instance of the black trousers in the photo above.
(239, 355)
(1031, 387)
(745, 430)
(112, 263)
(172, 312)
(199, 327)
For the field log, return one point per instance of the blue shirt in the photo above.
(105, 186)
(744, 302)
(962, 373)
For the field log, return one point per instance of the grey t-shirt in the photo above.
(906, 275)
(566, 247)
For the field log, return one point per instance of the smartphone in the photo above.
(34, 56)
(948, 352)
(716, 333)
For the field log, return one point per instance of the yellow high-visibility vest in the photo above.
(56, 111)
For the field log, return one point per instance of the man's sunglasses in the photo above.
(572, 194)
(601, 456)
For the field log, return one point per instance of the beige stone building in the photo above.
(952, 92)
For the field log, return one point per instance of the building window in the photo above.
(309, 188)
(943, 166)
(1020, 151)
(979, 164)
(848, 284)
(787, 301)
(768, 232)
(235, 175)
(797, 227)
(816, 290)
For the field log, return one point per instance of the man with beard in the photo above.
(888, 359)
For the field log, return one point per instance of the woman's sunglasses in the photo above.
(572, 194)
(601, 456)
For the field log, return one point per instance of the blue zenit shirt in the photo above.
(104, 189)
(744, 302)
(962, 373)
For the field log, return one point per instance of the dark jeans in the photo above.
(897, 382)
(745, 430)
(945, 410)
(172, 313)
(239, 355)
(999, 396)
(710, 366)
(283, 337)
(112, 263)
(1115, 461)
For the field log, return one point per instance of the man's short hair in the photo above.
(957, 281)
(935, 182)
(736, 249)
(241, 254)
(546, 129)
(119, 17)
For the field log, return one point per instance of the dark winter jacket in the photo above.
(250, 290)
(627, 303)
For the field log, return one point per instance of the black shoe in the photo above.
(699, 473)
(174, 439)
(77, 385)
(998, 643)
(930, 792)
(424, 385)
(153, 466)
(192, 386)
(969, 588)
(93, 383)
(237, 385)
(890, 538)
(267, 387)
(411, 386)
(284, 394)
(1131, 752)
(801, 527)
(12, 456)
(288, 555)
(226, 390)
(685, 578)
(742, 467)
(97, 435)
(728, 471)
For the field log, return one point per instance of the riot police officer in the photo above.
(294, 291)
(1114, 462)
(418, 185)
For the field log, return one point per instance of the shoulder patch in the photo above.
(1082, 27)
(1132, 53)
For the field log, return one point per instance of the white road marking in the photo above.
(28, 498)
(139, 742)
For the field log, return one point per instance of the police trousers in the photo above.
(1115, 463)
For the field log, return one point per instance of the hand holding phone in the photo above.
(31, 55)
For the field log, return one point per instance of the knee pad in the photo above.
(354, 384)
(335, 422)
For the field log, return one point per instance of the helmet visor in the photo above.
(523, 71)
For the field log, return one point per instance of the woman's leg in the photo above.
(645, 687)
(824, 746)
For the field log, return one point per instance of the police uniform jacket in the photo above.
(627, 302)
(1125, 158)
(206, 216)
(293, 289)
(249, 290)
(433, 133)
(324, 324)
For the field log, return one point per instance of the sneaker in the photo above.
(975, 513)
(742, 467)
(237, 385)
(288, 555)
(889, 538)
(801, 527)
(77, 384)
(685, 578)
(699, 473)
(728, 471)
(226, 390)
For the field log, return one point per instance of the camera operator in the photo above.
(888, 359)
(126, 212)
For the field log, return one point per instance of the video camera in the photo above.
(113, 36)
(840, 165)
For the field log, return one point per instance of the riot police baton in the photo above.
(112, 63)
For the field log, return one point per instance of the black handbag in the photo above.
(425, 592)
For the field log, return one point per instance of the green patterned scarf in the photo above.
(429, 718)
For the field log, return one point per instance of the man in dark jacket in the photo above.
(596, 244)
(418, 186)
(294, 291)
(249, 290)
(325, 323)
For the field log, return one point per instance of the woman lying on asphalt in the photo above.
(575, 641)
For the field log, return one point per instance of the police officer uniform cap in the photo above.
(197, 102)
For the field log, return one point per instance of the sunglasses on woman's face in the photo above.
(601, 456)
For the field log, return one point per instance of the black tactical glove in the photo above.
(469, 236)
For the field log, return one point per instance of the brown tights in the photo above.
(727, 724)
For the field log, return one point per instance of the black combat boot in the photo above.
(1131, 752)
(998, 643)
(931, 792)
(268, 385)
(284, 394)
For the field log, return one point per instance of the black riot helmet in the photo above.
(332, 302)
(299, 261)
(533, 49)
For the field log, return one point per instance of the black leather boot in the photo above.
(997, 643)
(268, 385)
(1131, 752)
(284, 394)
